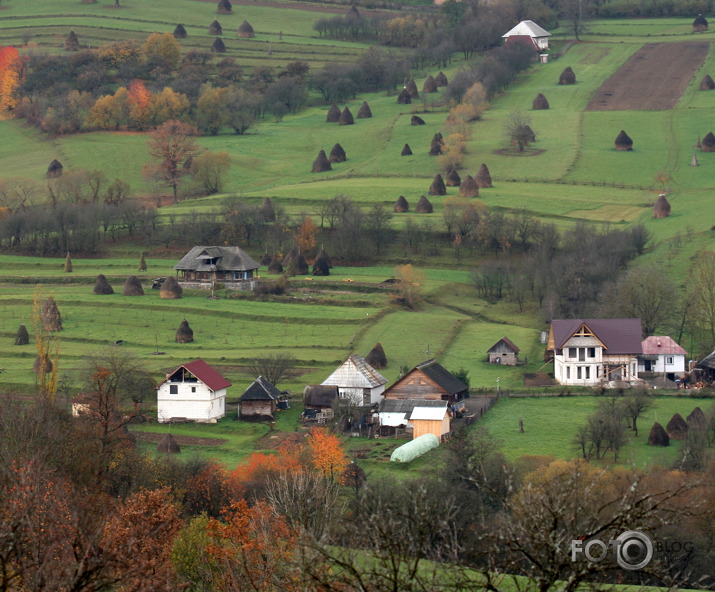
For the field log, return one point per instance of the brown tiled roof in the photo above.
(655, 345)
(619, 336)
(509, 344)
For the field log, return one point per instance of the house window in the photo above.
(572, 352)
(581, 354)
(598, 371)
(366, 396)
(578, 373)
(669, 360)
(173, 389)
(588, 372)
(568, 372)
(591, 352)
(193, 389)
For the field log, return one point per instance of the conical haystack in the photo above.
(275, 267)
(296, 265)
(168, 445)
(224, 7)
(51, 318)
(170, 289)
(424, 206)
(696, 420)
(346, 117)
(132, 287)
(321, 163)
(404, 97)
(658, 436)
(218, 46)
(322, 254)
(321, 265)
(184, 334)
(411, 87)
(142, 262)
(707, 83)
(267, 211)
(102, 287)
(708, 143)
(623, 141)
(337, 154)
(215, 29)
(245, 31)
(469, 187)
(438, 187)
(567, 76)
(677, 428)
(539, 103)
(353, 13)
(430, 85)
(441, 79)
(364, 112)
(529, 134)
(700, 24)
(435, 148)
(661, 208)
(22, 337)
(453, 179)
(406, 150)
(265, 261)
(72, 42)
(483, 178)
(401, 205)
(68, 264)
(180, 32)
(48, 364)
(376, 357)
(55, 169)
(333, 114)
(417, 120)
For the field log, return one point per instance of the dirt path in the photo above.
(653, 79)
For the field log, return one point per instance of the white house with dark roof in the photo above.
(529, 29)
(358, 381)
(205, 267)
(192, 392)
(589, 352)
(662, 355)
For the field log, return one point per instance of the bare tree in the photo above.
(517, 128)
(275, 368)
(635, 406)
(171, 145)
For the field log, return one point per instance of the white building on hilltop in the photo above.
(537, 34)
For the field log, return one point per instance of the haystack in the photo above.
(707, 83)
(441, 79)
(275, 267)
(245, 31)
(224, 7)
(483, 178)
(22, 337)
(623, 141)
(430, 85)
(168, 445)
(102, 287)
(142, 262)
(321, 265)
(180, 32)
(404, 97)
(529, 134)
(469, 187)
(708, 143)
(417, 120)
(337, 154)
(424, 206)
(411, 87)
(170, 289)
(438, 187)
(346, 117)
(68, 264)
(322, 254)
(265, 261)
(698, 144)
(333, 114)
(539, 103)
(453, 179)
(296, 265)
(321, 163)
(696, 419)
(352, 13)
(267, 211)
(218, 46)
(184, 334)
(364, 112)
(132, 287)
(55, 169)
(72, 42)
(51, 318)
(700, 24)
(567, 76)
(401, 206)
(406, 150)
(377, 358)
(354, 476)
(47, 362)
(658, 436)
(215, 29)
(435, 148)
(677, 428)
(661, 208)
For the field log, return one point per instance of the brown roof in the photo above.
(508, 343)
(655, 345)
(619, 336)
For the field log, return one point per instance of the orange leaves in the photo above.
(139, 104)
(327, 453)
(305, 236)
(9, 77)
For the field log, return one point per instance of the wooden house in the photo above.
(589, 352)
(260, 400)
(503, 352)
(662, 355)
(428, 381)
(537, 35)
(430, 420)
(358, 381)
(206, 267)
(192, 392)
(397, 413)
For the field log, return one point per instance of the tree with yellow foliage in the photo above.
(409, 286)
(48, 354)
(162, 47)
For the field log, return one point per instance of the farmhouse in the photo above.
(503, 352)
(193, 392)
(428, 381)
(531, 32)
(589, 352)
(206, 267)
(358, 381)
(259, 400)
(662, 355)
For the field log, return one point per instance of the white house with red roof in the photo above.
(662, 355)
(192, 392)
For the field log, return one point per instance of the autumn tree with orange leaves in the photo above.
(9, 77)
(305, 235)
(171, 145)
(327, 453)
(139, 101)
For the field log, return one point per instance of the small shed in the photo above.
(259, 401)
(430, 420)
(319, 396)
(397, 413)
(503, 352)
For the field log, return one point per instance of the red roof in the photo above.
(665, 345)
(205, 373)
(620, 336)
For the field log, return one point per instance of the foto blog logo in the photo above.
(632, 550)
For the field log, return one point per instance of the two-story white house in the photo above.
(193, 392)
(588, 352)
(358, 381)
(662, 355)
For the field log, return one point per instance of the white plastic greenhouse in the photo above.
(415, 448)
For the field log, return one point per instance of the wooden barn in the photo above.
(319, 396)
(430, 381)
(358, 381)
(259, 401)
(206, 267)
(192, 392)
(430, 420)
(503, 352)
